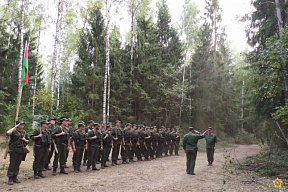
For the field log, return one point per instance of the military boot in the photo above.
(40, 174)
(36, 174)
(88, 168)
(10, 181)
(78, 168)
(75, 169)
(95, 169)
(102, 166)
(15, 180)
(62, 171)
(54, 171)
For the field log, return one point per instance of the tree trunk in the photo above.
(242, 107)
(107, 50)
(108, 96)
(36, 69)
(54, 61)
(214, 73)
(20, 62)
(279, 18)
(132, 42)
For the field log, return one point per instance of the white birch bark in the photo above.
(20, 61)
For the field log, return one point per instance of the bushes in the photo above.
(243, 137)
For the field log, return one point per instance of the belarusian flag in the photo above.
(24, 78)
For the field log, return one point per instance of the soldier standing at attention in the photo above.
(95, 145)
(50, 129)
(134, 140)
(117, 137)
(177, 142)
(172, 141)
(42, 147)
(107, 145)
(147, 144)
(18, 140)
(211, 141)
(127, 144)
(141, 136)
(159, 150)
(69, 131)
(62, 141)
(79, 143)
(89, 127)
(190, 141)
(155, 136)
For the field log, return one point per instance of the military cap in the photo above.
(172, 129)
(81, 125)
(20, 122)
(52, 118)
(133, 125)
(118, 121)
(91, 121)
(152, 127)
(96, 124)
(142, 125)
(162, 127)
(63, 119)
(127, 124)
(209, 128)
(191, 128)
(108, 126)
(69, 120)
(45, 122)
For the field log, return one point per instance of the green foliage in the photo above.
(243, 137)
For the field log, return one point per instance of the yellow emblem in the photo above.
(277, 183)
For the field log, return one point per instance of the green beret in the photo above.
(191, 128)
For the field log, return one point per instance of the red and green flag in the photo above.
(24, 78)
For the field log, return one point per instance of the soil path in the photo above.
(162, 174)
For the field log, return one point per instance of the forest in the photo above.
(158, 75)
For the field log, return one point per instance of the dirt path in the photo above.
(162, 174)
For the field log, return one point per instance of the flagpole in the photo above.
(21, 87)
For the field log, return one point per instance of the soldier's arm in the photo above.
(9, 132)
(34, 135)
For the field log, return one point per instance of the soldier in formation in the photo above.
(94, 142)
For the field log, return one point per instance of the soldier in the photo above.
(79, 143)
(159, 150)
(102, 130)
(155, 137)
(127, 144)
(177, 142)
(140, 144)
(95, 145)
(50, 130)
(18, 140)
(168, 140)
(172, 142)
(134, 140)
(107, 145)
(165, 142)
(147, 144)
(117, 136)
(42, 147)
(69, 131)
(89, 127)
(62, 141)
(190, 141)
(211, 141)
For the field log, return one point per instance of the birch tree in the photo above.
(20, 59)
(54, 61)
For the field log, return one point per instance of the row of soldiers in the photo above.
(95, 141)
